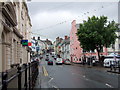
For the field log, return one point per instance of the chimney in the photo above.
(60, 39)
(57, 39)
(33, 38)
(66, 37)
(38, 38)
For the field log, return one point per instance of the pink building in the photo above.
(75, 49)
(76, 52)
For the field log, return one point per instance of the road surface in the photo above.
(70, 76)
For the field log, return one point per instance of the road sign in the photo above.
(37, 49)
(24, 42)
(29, 44)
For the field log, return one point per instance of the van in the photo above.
(111, 60)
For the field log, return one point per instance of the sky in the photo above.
(53, 19)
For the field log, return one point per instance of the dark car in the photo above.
(53, 56)
(47, 58)
(41, 57)
(50, 62)
(47, 54)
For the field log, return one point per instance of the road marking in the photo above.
(84, 76)
(56, 87)
(108, 85)
(87, 79)
(45, 71)
(50, 80)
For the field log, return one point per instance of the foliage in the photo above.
(96, 33)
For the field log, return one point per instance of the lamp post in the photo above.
(115, 64)
(90, 58)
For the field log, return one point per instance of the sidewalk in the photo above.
(100, 68)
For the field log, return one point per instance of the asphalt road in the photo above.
(69, 76)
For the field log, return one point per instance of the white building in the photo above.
(116, 47)
(65, 48)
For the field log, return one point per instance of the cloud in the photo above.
(52, 19)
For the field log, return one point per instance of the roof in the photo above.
(64, 42)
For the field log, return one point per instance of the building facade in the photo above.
(75, 49)
(115, 48)
(57, 45)
(13, 29)
(38, 46)
(76, 52)
(65, 48)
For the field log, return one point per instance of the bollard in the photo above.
(4, 80)
(19, 78)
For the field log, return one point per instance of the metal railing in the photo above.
(25, 77)
(115, 67)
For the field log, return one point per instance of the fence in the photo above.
(115, 68)
(21, 77)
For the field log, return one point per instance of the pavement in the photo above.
(100, 68)
(93, 67)
(74, 76)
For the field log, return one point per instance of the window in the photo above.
(119, 46)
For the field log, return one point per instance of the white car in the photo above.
(110, 61)
(59, 61)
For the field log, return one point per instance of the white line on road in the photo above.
(56, 87)
(86, 79)
(84, 76)
(108, 85)
(50, 80)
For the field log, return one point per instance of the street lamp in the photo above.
(90, 58)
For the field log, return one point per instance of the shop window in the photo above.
(119, 46)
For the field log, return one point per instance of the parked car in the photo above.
(59, 61)
(41, 57)
(47, 58)
(52, 55)
(55, 57)
(50, 62)
(47, 54)
(109, 60)
(67, 62)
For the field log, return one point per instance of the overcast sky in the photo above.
(53, 19)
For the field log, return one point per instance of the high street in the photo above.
(71, 76)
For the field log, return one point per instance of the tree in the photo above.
(97, 33)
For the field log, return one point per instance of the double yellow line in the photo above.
(45, 71)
